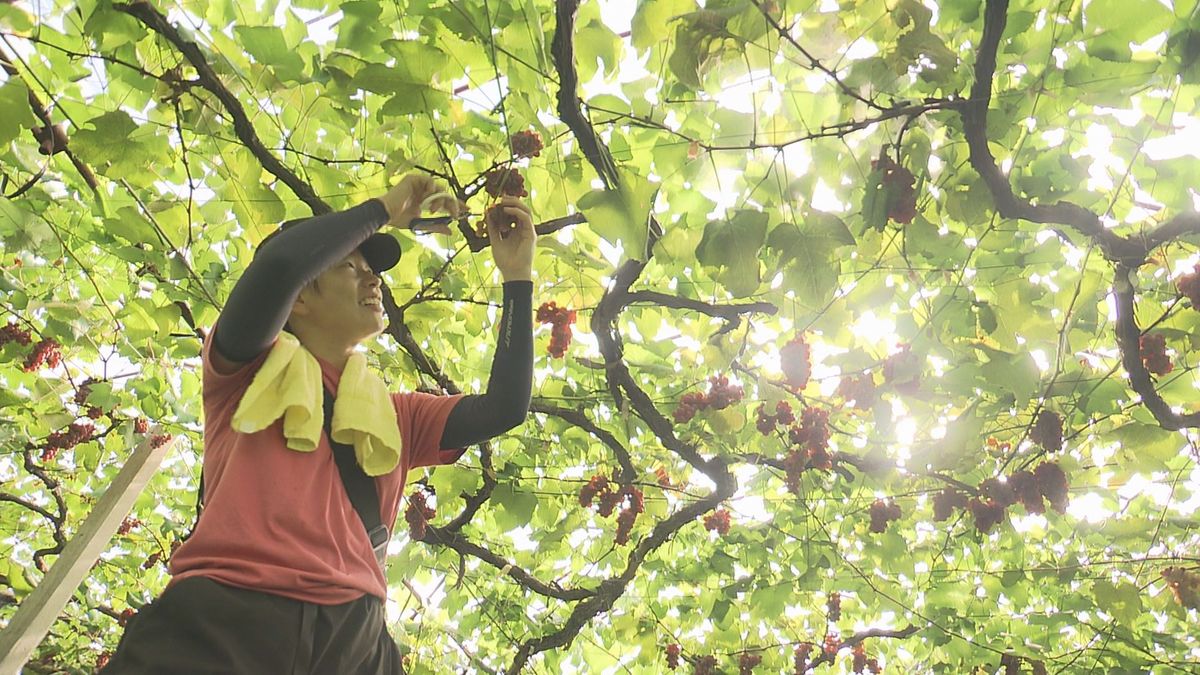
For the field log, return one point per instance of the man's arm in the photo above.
(504, 405)
(506, 402)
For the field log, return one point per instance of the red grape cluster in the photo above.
(720, 395)
(505, 182)
(796, 360)
(128, 524)
(800, 657)
(601, 490)
(1047, 481)
(45, 353)
(526, 144)
(66, 439)
(560, 319)
(946, 501)
(141, 425)
(860, 389)
(717, 521)
(767, 421)
(1189, 286)
(1048, 431)
(1154, 353)
(673, 652)
(103, 659)
(418, 514)
(882, 513)
(126, 615)
(832, 644)
(81, 396)
(812, 436)
(663, 478)
(794, 465)
(1185, 585)
(11, 332)
(704, 665)
(151, 560)
(899, 184)
(859, 652)
(159, 440)
(834, 606)
(747, 662)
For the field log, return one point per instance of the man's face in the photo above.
(345, 302)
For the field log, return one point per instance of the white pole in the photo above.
(41, 607)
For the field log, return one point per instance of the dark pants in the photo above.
(201, 626)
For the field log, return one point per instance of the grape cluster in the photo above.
(720, 395)
(899, 184)
(1185, 584)
(125, 616)
(504, 182)
(418, 514)
(832, 644)
(859, 653)
(796, 360)
(1029, 488)
(673, 651)
(800, 657)
(834, 606)
(66, 439)
(45, 353)
(717, 521)
(1154, 353)
(560, 318)
(526, 144)
(747, 662)
(159, 440)
(882, 513)
(705, 665)
(663, 478)
(128, 524)
(783, 415)
(1189, 286)
(858, 388)
(812, 437)
(988, 513)
(601, 490)
(141, 425)
(11, 332)
(103, 659)
(946, 501)
(1048, 431)
(81, 397)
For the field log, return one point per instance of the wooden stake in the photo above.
(41, 607)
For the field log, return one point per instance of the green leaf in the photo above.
(515, 506)
(15, 114)
(732, 245)
(268, 46)
(622, 215)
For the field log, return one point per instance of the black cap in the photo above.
(381, 251)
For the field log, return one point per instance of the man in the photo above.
(280, 575)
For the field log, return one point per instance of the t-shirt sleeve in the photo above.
(422, 419)
(221, 388)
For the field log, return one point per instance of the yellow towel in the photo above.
(289, 385)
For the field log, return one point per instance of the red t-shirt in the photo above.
(277, 520)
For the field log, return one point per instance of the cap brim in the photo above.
(381, 252)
